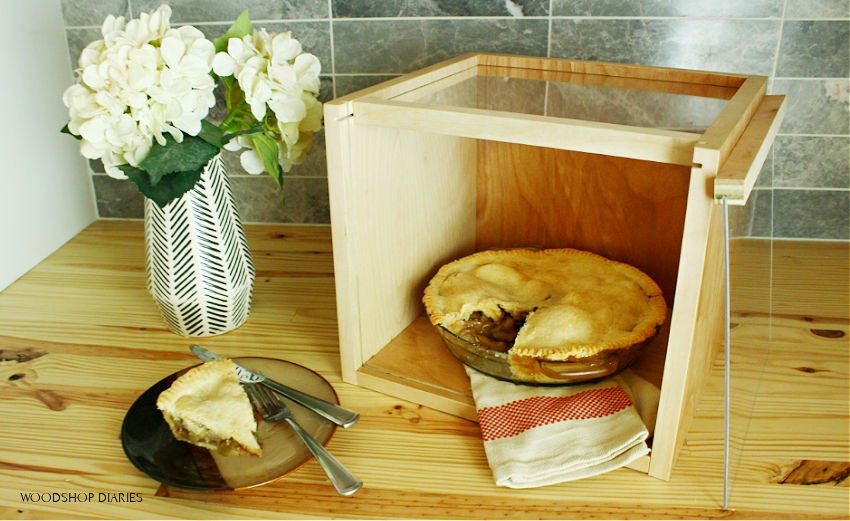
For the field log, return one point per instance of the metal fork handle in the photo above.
(339, 415)
(342, 479)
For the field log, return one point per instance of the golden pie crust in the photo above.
(578, 304)
(208, 407)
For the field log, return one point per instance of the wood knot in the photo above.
(20, 355)
(407, 413)
(828, 333)
(52, 400)
(809, 370)
(814, 472)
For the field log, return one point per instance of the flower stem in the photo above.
(253, 130)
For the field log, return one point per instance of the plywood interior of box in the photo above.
(629, 210)
(625, 209)
(401, 228)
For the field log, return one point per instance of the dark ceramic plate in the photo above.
(150, 446)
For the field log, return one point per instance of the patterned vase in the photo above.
(199, 268)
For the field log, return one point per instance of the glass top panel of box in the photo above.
(670, 105)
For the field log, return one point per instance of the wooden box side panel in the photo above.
(338, 151)
(410, 208)
(696, 340)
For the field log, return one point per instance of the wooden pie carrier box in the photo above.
(486, 151)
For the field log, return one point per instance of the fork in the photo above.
(273, 409)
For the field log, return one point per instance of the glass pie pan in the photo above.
(537, 370)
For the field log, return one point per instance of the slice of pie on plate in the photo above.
(208, 407)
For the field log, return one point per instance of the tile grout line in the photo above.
(332, 48)
(549, 34)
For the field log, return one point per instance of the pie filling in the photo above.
(225, 447)
(494, 334)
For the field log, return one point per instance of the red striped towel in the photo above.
(536, 435)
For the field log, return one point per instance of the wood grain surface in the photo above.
(80, 340)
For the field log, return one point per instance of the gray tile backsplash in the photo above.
(197, 11)
(815, 106)
(814, 49)
(668, 8)
(745, 46)
(430, 8)
(92, 12)
(348, 83)
(812, 162)
(817, 9)
(398, 46)
(815, 214)
(802, 45)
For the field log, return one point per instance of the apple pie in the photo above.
(208, 407)
(559, 305)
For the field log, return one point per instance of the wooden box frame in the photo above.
(414, 185)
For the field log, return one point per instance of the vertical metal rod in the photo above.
(726, 369)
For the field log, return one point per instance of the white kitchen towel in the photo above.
(541, 435)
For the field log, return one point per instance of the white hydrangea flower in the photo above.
(142, 81)
(251, 162)
(275, 75)
(307, 69)
(238, 52)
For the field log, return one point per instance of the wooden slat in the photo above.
(622, 70)
(561, 76)
(667, 85)
(413, 80)
(712, 150)
(663, 146)
(738, 174)
(437, 87)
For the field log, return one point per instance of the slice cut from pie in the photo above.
(208, 407)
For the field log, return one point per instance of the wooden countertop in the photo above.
(80, 340)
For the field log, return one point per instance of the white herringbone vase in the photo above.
(199, 267)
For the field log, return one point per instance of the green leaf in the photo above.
(267, 149)
(211, 134)
(169, 187)
(241, 27)
(190, 155)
